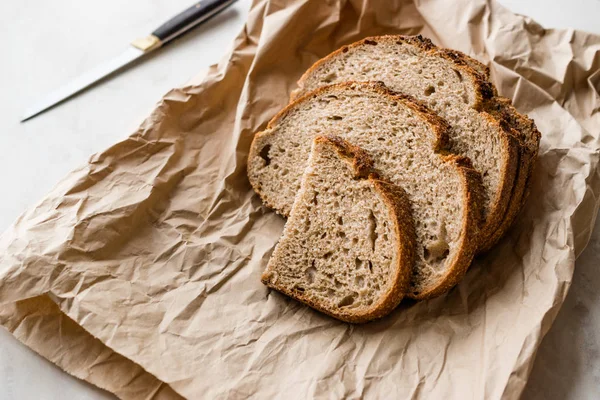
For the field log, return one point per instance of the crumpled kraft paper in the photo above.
(140, 271)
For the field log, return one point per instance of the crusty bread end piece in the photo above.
(348, 247)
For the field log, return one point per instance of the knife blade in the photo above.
(170, 30)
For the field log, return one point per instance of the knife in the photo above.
(172, 29)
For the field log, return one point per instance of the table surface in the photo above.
(50, 42)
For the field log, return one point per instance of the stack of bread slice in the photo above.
(435, 128)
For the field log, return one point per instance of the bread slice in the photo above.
(348, 246)
(408, 144)
(446, 83)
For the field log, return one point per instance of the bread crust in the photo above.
(471, 180)
(400, 214)
(502, 206)
(529, 138)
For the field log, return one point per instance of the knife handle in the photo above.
(189, 18)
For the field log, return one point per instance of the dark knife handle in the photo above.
(189, 18)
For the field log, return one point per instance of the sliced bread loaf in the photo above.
(527, 134)
(408, 144)
(449, 85)
(348, 246)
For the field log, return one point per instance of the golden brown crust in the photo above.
(525, 128)
(530, 137)
(361, 161)
(477, 66)
(399, 208)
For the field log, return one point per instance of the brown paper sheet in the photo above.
(151, 253)
(41, 325)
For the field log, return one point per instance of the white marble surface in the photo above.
(46, 43)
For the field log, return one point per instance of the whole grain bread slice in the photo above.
(409, 145)
(447, 83)
(348, 247)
